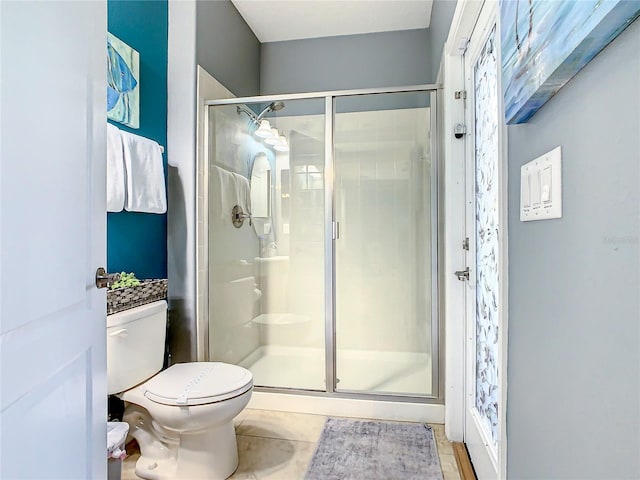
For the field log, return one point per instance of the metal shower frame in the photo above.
(437, 336)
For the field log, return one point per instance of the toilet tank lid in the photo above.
(198, 383)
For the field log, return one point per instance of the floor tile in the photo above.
(283, 425)
(279, 446)
(272, 458)
(129, 467)
(444, 446)
(448, 464)
(240, 417)
(451, 475)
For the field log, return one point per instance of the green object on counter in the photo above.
(125, 280)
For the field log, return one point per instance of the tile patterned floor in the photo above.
(279, 446)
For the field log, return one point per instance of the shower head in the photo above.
(272, 107)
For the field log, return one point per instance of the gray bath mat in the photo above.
(370, 450)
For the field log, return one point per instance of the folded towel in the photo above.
(146, 190)
(225, 184)
(243, 193)
(115, 170)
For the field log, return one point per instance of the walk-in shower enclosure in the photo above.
(320, 240)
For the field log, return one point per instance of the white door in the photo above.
(52, 239)
(486, 229)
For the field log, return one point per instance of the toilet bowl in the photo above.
(182, 417)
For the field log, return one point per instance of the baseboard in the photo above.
(465, 468)
(347, 407)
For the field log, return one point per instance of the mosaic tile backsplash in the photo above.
(148, 291)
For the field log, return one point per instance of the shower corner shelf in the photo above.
(280, 319)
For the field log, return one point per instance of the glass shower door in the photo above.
(385, 251)
(266, 289)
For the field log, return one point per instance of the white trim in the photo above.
(454, 258)
(462, 25)
(347, 407)
(464, 21)
(504, 270)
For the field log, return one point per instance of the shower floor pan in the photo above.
(357, 370)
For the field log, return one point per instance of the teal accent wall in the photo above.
(137, 242)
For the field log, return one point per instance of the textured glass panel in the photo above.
(487, 231)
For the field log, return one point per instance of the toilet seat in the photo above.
(198, 383)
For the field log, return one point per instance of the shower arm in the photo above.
(252, 116)
(272, 107)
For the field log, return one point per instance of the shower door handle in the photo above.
(463, 275)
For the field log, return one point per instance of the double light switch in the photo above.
(541, 187)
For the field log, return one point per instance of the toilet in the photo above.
(182, 417)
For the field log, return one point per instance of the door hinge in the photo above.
(465, 244)
(336, 230)
(461, 95)
(462, 274)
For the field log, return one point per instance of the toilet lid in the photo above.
(198, 383)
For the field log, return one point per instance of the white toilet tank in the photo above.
(135, 345)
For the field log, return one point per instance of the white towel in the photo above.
(146, 191)
(243, 193)
(115, 170)
(225, 183)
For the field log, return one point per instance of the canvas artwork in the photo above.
(123, 84)
(545, 43)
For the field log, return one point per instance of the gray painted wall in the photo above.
(441, 16)
(369, 60)
(226, 47)
(574, 310)
(352, 61)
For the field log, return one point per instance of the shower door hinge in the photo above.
(336, 230)
(465, 244)
(461, 94)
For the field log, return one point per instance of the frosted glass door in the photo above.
(384, 203)
(485, 216)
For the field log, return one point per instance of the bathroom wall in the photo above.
(227, 48)
(351, 61)
(185, 38)
(137, 242)
(441, 17)
(370, 60)
(574, 282)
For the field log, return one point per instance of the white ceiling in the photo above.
(278, 20)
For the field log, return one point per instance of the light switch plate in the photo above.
(541, 187)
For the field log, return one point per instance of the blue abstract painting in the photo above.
(545, 43)
(123, 99)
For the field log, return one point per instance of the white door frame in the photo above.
(464, 21)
